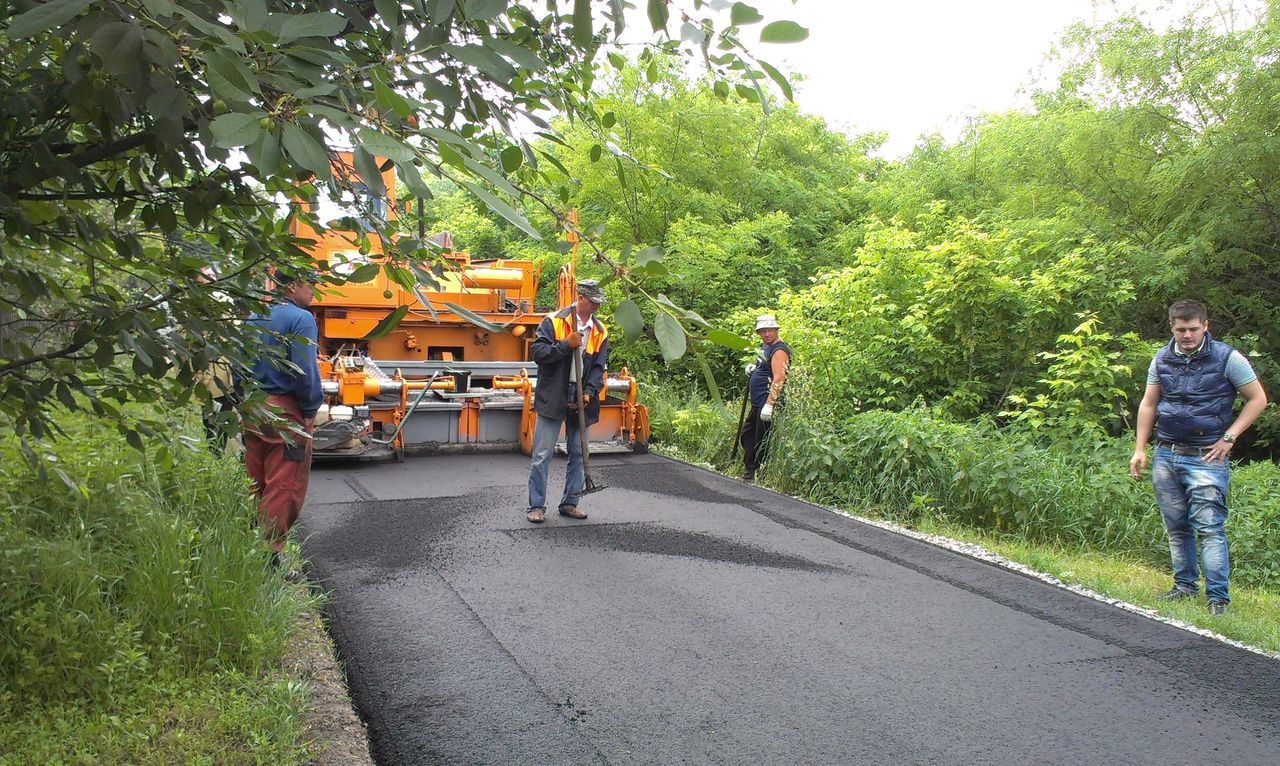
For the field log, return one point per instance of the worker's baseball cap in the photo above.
(590, 289)
(287, 276)
(766, 322)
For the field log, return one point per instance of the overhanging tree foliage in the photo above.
(144, 141)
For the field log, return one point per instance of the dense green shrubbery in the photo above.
(1053, 487)
(691, 427)
(1043, 485)
(126, 575)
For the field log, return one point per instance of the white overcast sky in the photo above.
(911, 67)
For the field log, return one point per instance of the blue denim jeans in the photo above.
(545, 435)
(1192, 495)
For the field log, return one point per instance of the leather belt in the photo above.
(1182, 449)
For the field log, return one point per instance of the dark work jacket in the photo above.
(551, 352)
(1196, 397)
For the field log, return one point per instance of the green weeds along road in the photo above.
(141, 624)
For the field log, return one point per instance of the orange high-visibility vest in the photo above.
(563, 325)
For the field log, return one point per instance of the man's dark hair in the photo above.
(1188, 310)
(283, 278)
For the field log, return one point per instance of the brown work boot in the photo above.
(536, 515)
(572, 512)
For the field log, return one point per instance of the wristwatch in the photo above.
(1229, 438)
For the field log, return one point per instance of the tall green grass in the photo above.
(128, 577)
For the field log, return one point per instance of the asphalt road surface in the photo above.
(693, 619)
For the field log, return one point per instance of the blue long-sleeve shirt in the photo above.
(293, 331)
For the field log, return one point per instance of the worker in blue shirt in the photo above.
(278, 454)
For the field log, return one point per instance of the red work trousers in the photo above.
(279, 464)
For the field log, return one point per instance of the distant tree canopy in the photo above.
(1002, 274)
(1021, 272)
(1165, 141)
(146, 140)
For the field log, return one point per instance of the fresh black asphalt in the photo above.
(693, 619)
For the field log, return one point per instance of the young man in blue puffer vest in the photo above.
(1191, 390)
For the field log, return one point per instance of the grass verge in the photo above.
(1253, 619)
(220, 717)
(139, 621)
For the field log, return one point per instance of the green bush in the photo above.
(1253, 526)
(117, 566)
(689, 426)
(1045, 487)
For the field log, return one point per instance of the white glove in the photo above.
(766, 412)
(750, 368)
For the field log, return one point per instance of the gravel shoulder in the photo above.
(335, 735)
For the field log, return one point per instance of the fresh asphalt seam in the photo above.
(361, 490)
(954, 582)
(999, 563)
(1168, 657)
(528, 676)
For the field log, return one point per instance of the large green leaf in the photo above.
(366, 272)
(219, 31)
(306, 150)
(335, 117)
(778, 77)
(649, 255)
(483, 9)
(502, 208)
(712, 387)
(783, 32)
(265, 154)
(388, 11)
(729, 340)
(382, 145)
(388, 323)
(367, 169)
(310, 25)
(236, 129)
(671, 337)
(627, 315)
(440, 10)
(45, 16)
(582, 22)
(482, 171)
(226, 78)
(512, 158)
(658, 14)
(482, 58)
(517, 53)
(474, 318)
(249, 15)
(389, 99)
(119, 45)
(742, 14)
(408, 173)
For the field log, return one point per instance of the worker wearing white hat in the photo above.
(765, 378)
